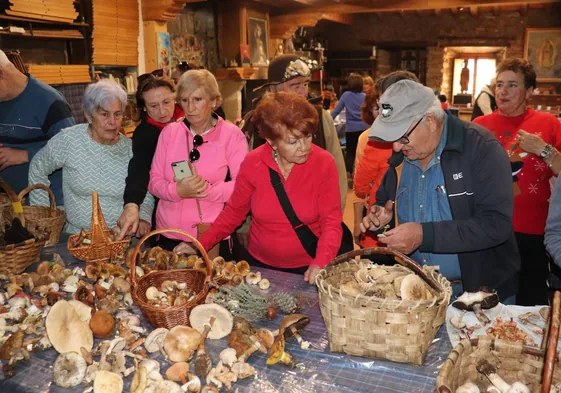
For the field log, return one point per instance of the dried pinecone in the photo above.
(284, 301)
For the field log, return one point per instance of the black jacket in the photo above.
(478, 182)
(144, 141)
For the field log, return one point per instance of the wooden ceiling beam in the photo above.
(454, 11)
(524, 10)
(345, 19)
(473, 11)
(496, 10)
(437, 11)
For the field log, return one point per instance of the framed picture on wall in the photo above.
(164, 52)
(542, 48)
(258, 41)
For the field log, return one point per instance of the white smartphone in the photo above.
(181, 169)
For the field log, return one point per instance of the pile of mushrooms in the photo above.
(386, 283)
(170, 293)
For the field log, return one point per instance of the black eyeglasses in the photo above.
(404, 140)
(195, 154)
(154, 74)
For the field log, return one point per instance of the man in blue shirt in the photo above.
(31, 113)
(447, 194)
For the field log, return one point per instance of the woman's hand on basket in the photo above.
(129, 220)
(311, 273)
(192, 187)
(378, 217)
(404, 238)
(184, 248)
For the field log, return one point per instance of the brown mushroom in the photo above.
(108, 304)
(92, 271)
(120, 285)
(102, 324)
(178, 372)
(84, 295)
(261, 341)
(181, 342)
(44, 268)
(239, 341)
(243, 268)
(66, 331)
(292, 324)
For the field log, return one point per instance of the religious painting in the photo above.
(258, 41)
(193, 37)
(543, 49)
(245, 55)
(164, 56)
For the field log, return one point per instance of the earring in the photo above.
(276, 156)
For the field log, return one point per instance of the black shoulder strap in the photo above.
(308, 239)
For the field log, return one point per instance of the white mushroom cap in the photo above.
(66, 331)
(222, 326)
(84, 311)
(157, 335)
(107, 382)
(69, 370)
(163, 387)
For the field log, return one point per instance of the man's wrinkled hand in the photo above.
(10, 157)
(184, 248)
(143, 228)
(405, 238)
(377, 217)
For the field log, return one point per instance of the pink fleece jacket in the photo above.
(224, 147)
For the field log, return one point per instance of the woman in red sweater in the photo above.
(309, 176)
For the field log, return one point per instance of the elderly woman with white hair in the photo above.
(196, 163)
(93, 157)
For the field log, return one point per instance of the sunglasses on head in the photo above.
(154, 74)
(195, 154)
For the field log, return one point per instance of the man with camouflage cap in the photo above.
(292, 74)
(447, 195)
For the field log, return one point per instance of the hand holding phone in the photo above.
(181, 170)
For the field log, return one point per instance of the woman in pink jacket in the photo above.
(203, 144)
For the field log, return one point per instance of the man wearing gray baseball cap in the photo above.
(447, 195)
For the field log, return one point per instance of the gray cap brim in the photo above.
(389, 132)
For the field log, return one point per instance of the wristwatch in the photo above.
(546, 152)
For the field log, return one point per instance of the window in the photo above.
(481, 71)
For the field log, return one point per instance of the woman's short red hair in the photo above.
(282, 112)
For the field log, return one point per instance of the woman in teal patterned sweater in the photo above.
(93, 157)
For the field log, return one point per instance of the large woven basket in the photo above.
(396, 330)
(196, 280)
(47, 218)
(15, 258)
(101, 248)
(532, 366)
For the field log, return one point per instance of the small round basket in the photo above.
(15, 258)
(47, 218)
(196, 280)
(393, 329)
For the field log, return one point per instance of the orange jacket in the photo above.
(368, 174)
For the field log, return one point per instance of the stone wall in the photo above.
(436, 32)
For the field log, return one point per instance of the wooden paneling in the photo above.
(61, 74)
(49, 10)
(115, 33)
(151, 29)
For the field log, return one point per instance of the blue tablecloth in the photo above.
(319, 370)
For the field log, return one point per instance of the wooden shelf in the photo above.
(241, 73)
(27, 34)
(48, 22)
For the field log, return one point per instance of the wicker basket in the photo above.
(50, 218)
(15, 258)
(514, 362)
(396, 330)
(101, 248)
(196, 280)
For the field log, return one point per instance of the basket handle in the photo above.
(98, 224)
(551, 350)
(43, 187)
(194, 241)
(402, 259)
(16, 204)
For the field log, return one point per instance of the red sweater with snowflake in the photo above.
(531, 184)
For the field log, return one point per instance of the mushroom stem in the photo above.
(487, 369)
(481, 317)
